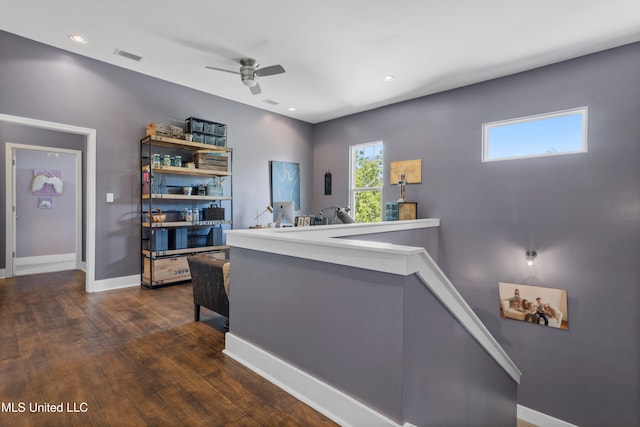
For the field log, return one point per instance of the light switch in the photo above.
(109, 197)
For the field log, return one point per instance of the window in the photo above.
(562, 132)
(365, 183)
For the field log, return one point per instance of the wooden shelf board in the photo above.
(183, 251)
(145, 281)
(185, 171)
(184, 197)
(186, 224)
(181, 143)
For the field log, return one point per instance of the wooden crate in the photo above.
(212, 161)
(159, 129)
(407, 210)
(165, 270)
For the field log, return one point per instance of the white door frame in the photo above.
(11, 187)
(90, 185)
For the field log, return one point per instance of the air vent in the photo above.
(270, 101)
(127, 55)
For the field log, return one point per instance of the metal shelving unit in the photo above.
(166, 242)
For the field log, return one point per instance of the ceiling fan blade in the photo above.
(270, 70)
(222, 69)
(255, 89)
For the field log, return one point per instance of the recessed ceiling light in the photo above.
(388, 78)
(77, 38)
(292, 108)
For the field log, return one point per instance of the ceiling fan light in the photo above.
(249, 82)
(248, 75)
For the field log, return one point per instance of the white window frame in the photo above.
(352, 176)
(486, 127)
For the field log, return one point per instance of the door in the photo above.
(46, 207)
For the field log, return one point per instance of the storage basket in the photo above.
(156, 215)
(213, 214)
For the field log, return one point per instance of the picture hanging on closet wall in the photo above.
(45, 203)
(47, 182)
(534, 304)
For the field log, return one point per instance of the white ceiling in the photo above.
(335, 52)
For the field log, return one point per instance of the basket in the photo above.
(156, 217)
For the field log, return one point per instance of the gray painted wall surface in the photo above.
(45, 83)
(45, 231)
(449, 380)
(581, 213)
(381, 338)
(341, 325)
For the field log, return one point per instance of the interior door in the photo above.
(45, 206)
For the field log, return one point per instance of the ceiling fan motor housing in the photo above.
(248, 75)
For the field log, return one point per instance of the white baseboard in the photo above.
(99, 285)
(44, 264)
(115, 283)
(540, 419)
(322, 397)
(329, 401)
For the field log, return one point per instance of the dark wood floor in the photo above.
(133, 356)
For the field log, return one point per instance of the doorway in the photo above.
(89, 195)
(46, 190)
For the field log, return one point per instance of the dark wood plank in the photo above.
(134, 356)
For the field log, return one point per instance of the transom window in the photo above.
(551, 134)
(365, 183)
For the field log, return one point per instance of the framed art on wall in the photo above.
(285, 182)
(534, 304)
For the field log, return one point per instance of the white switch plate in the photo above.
(109, 197)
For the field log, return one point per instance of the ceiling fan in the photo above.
(249, 73)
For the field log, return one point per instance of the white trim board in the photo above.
(324, 398)
(540, 419)
(44, 264)
(90, 185)
(116, 283)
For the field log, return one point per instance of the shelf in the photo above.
(164, 141)
(185, 171)
(186, 251)
(184, 197)
(185, 224)
(169, 266)
(164, 282)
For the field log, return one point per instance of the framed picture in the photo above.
(534, 304)
(47, 182)
(45, 203)
(285, 182)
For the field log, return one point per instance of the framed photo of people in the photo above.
(534, 304)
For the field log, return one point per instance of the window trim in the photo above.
(583, 111)
(352, 177)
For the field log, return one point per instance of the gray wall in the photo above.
(384, 339)
(45, 83)
(581, 213)
(45, 231)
